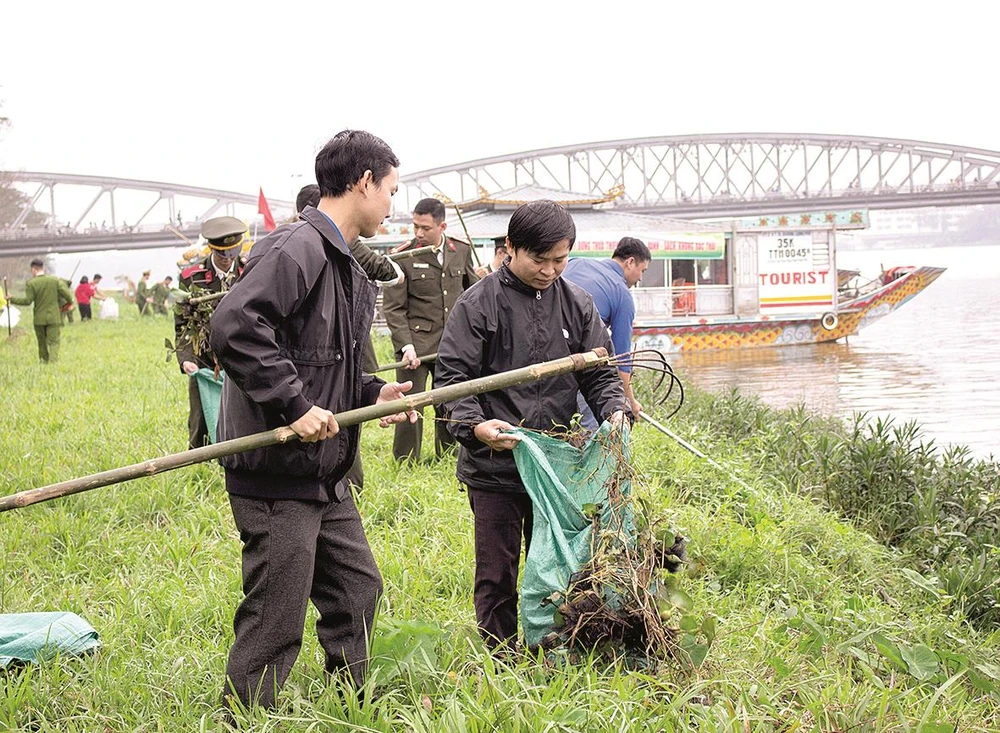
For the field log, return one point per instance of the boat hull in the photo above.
(732, 332)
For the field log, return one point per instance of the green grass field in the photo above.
(820, 627)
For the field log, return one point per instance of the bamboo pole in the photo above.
(6, 297)
(206, 298)
(401, 364)
(694, 451)
(533, 373)
(396, 256)
(445, 200)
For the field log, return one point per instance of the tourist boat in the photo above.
(785, 289)
(687, 330)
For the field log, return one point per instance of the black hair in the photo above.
(344, 159)
(38, 263)
(500, 243)
(97, 277)
(632, 247)
(84, 280)
(308, 196)
(539, 225)
(430, 206)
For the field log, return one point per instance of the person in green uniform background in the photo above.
(47, 294)
(160, 295)
(142, 295)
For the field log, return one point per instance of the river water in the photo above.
(936, 360)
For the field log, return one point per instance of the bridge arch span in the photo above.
(732, 174)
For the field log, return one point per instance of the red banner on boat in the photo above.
(662, 245)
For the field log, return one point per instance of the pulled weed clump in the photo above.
(626, 602)
(195, 316)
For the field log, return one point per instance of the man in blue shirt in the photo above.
(608, 282)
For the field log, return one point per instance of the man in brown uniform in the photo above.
(416, 310)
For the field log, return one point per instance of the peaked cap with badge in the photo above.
(223, 232)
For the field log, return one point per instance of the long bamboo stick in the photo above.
(397, 256)
(6, 296)
(694, 451)
(533, 373)
(206, 298)
(401, 364)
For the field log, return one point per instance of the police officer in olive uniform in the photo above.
(217, 273)
(143, 295)
(416, 310)
(48, 294)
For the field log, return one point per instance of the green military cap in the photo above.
(223, 232)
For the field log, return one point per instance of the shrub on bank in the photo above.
(939, 507)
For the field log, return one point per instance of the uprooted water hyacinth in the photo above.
(626, 602)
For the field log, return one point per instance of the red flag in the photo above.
(263, 208)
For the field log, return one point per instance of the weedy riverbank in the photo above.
(820, 626)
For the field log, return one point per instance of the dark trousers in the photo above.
(48, 342)
(501, 520)
(197, 428)
(85, 311)
(294, 552)
(408, 438)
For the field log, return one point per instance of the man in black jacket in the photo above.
(380, 270)
(289, 335)
(523, 314)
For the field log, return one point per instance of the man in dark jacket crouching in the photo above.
(290, 337)
(522, 314)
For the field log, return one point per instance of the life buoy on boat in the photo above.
(829, 321)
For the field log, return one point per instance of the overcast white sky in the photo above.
(241, 95)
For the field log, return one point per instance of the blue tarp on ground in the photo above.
(561, 479)
(32, 637)
(210, 390)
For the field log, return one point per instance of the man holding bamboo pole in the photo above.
(521, 314)
(380, 270)
(289, 337)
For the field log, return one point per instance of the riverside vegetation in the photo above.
(850, 572)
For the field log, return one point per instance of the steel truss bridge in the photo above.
(728, 175)
(158, 226)
(687, 177)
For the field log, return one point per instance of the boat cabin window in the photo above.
(661, 273)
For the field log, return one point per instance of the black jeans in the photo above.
(501, 520)
(294, 552)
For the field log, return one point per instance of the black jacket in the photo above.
(501, 324)
(290, 335)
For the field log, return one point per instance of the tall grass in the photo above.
(941, 508)
(820, 627)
